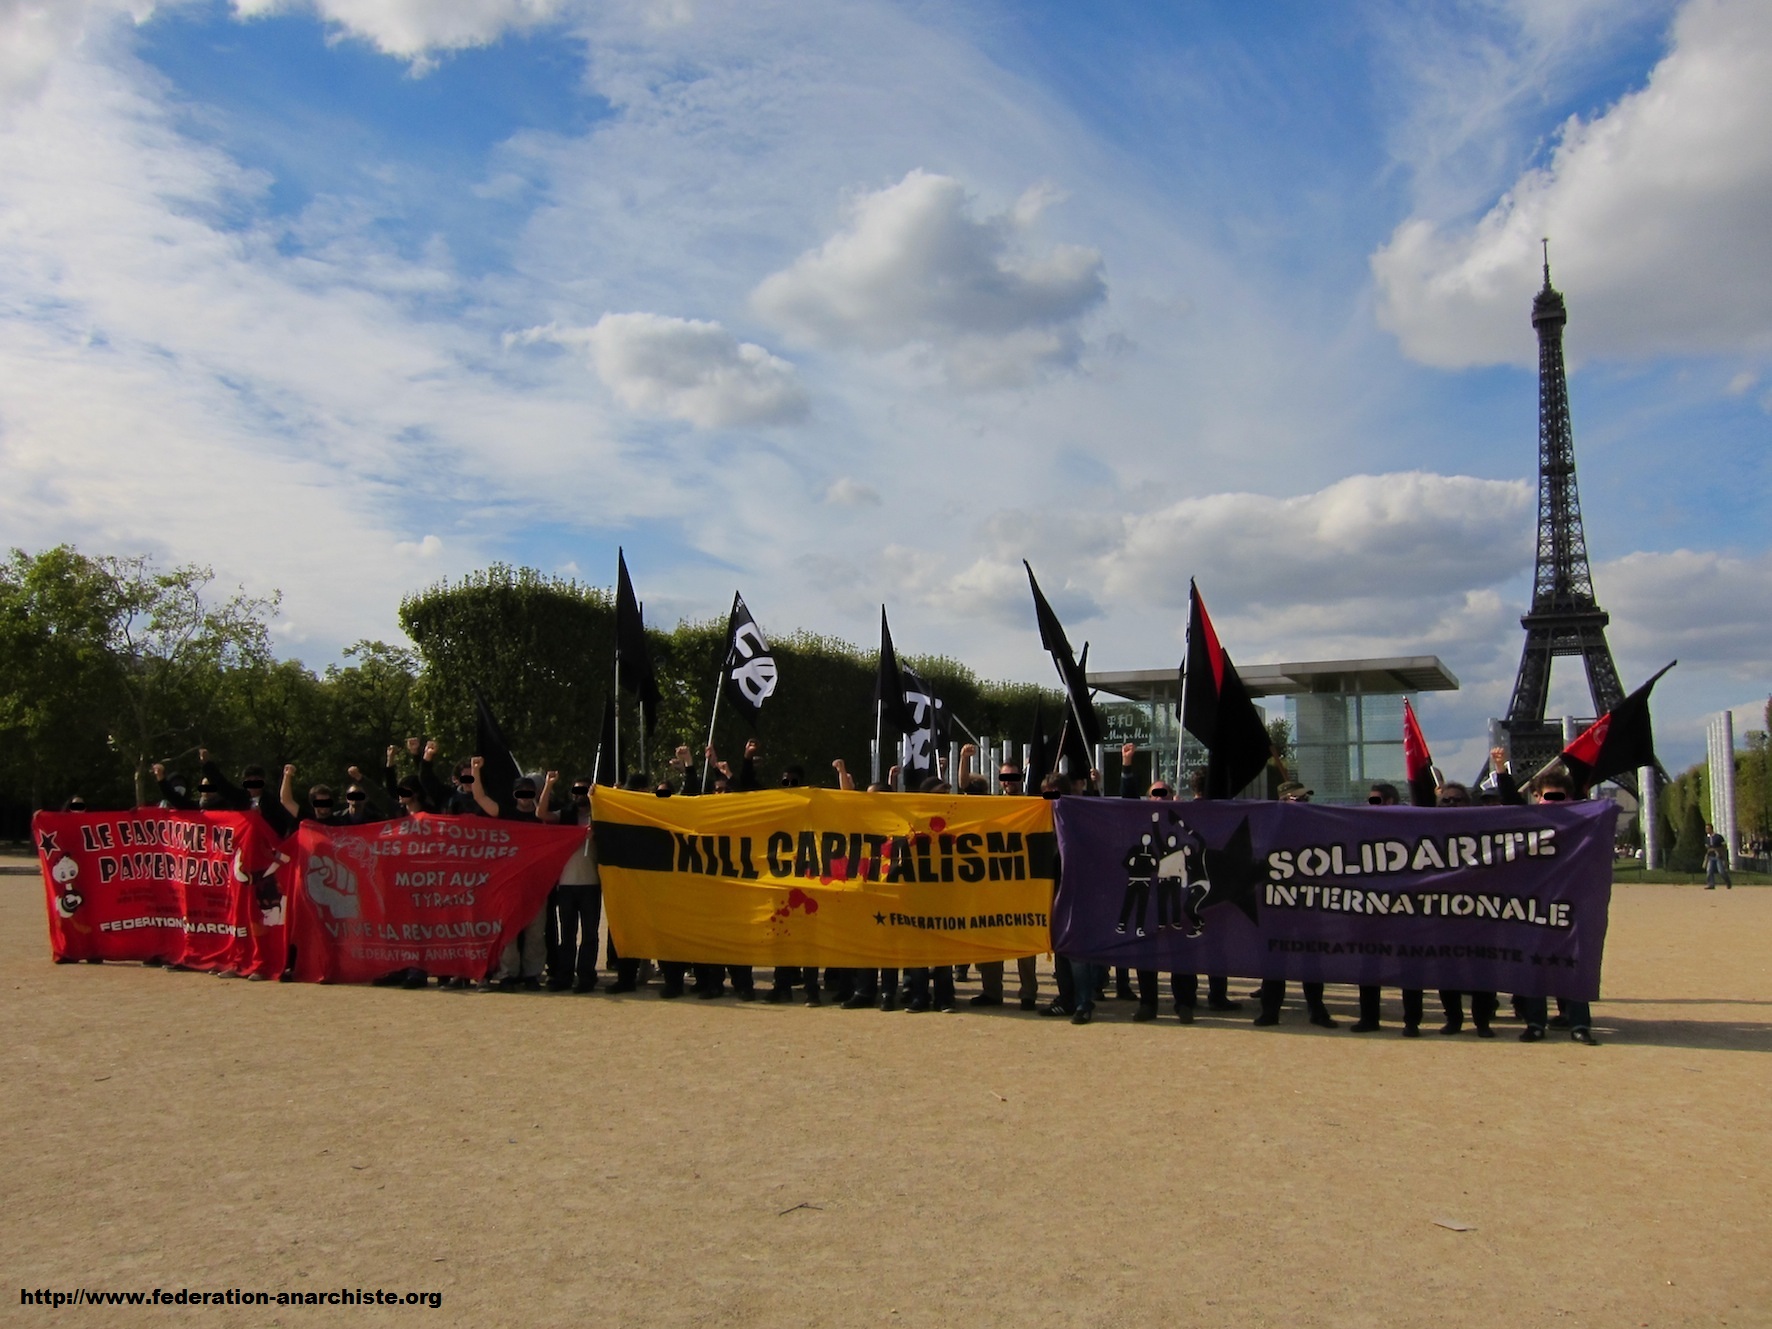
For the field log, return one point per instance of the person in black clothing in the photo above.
(1273, 990)
(456, 801)
(1483, 1004)
(1552, 785)
(1384, 794)
(578, 899)
(787, 976)
(520, 965)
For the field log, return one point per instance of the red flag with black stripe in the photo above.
(1418, 762)
(1216, 709)
(1620, 740)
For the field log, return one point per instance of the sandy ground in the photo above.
(551, 1160)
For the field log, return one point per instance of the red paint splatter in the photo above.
(798, 899)
(938, 824)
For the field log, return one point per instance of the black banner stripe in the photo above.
(622, 844)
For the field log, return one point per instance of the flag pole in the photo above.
(706, 760)
(879, 737)
(617, 753)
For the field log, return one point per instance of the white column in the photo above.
(1722, 783)
(1648, 809)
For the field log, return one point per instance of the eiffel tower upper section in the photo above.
(1565, 619)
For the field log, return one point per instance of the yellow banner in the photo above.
(823, 877)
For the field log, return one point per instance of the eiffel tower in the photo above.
(1565, 619)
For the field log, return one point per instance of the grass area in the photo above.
(1625, 871)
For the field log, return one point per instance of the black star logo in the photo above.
(880, 919)
(46, 843)
(1234, 874)
(1538, 959)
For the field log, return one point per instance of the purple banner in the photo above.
(1498, 899)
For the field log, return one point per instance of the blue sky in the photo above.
(861, 304)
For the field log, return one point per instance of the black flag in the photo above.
(889, 685)
(633, 659)
(921, 731)
(1076, 685)
(749, 667)
(498, 768)
(1216, 709)
(1038, 763)
(1620, 740)
(604, 772)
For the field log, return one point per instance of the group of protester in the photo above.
(559, 949)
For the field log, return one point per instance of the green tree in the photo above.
(114, 650)
(1688, 854)
(173, 649)
(540, 648)
(57, 678)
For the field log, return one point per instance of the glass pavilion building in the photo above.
(1345, 717)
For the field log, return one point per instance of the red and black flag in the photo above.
(1418, 762)
(1216, 709)
(749, 668)
(1086, 727)
(498, 768)
(1620, 740)
(633, 660)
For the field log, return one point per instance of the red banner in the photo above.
(441, 894)
(199, 889)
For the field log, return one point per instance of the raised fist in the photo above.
(1127, 752)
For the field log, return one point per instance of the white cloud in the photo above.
(685, 369)
(35, 34)
(177, 385)
(1708, 609)
(1377, 537)
(1472, 79)
(429, 547)
(848, 492)
(914, 267)
(1656, 212)
(412, 29)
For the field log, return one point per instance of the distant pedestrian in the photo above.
(1716, 859)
